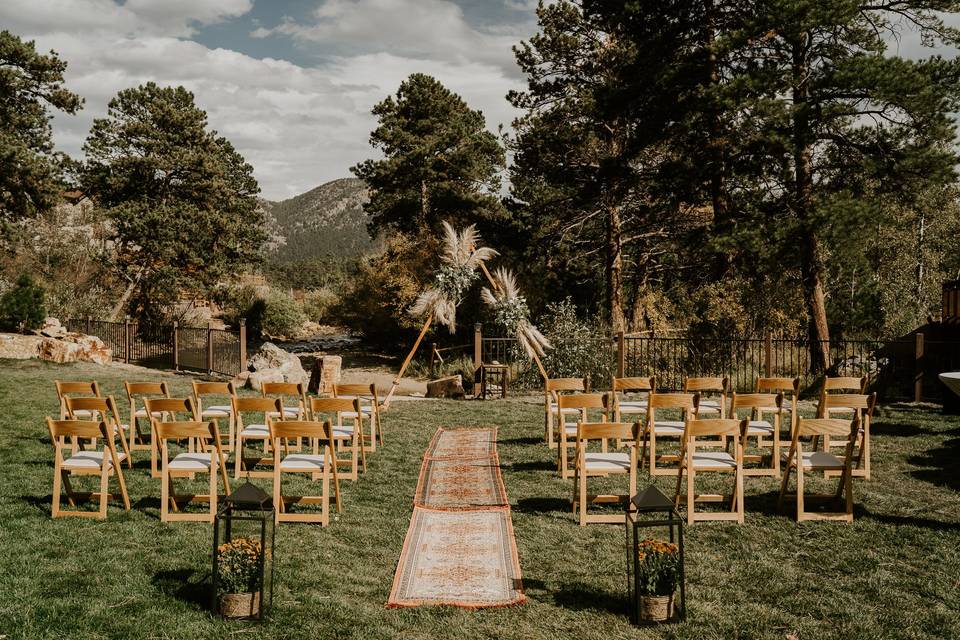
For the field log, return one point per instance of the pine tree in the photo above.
(182, 200)
(440, 162)
(30, 84)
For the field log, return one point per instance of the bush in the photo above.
(22, 308)
(281, 314)
(580, 348)
(318, 304)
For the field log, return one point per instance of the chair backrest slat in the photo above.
(845, 383)
(603, 430)
(354, 389)
(757, 401)
(565, 384)
(719, 385)
(169, 405)
(633, 384)
(301, 429)
(334, 405)
(213, 389)
(849, 400)
(186, 429)
(88, 387)
(768, 385)
(293, 389)
(257, 405)
(826, 427)
(582, 401)
(147, 389)
(685, 401)
(715, 427)
(75, 428)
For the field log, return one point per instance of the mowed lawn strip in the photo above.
(893, 573)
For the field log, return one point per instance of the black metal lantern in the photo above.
(243, 537)
(650, 515)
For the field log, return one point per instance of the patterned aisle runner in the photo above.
(460, 548)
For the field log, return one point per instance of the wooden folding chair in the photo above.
(321, 467)
(102, 410)
(76, 388)
(656, 429)
(821, 461)
(221, 413)
(789, 387)
(574, 404)
(630, 405)
(252, 418)
(166, 410)
(139, 392)
(709, 407)
(862, 406)
(344, 436)
(284, 391)
(604, 463)
(694, 462)
(104, 463)
(210, 459)
(553, 389)
(767, 433)
(844, 384)
(369, 408)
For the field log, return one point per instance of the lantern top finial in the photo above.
(652, 499)
(249, 496)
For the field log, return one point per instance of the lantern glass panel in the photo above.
(651, 515)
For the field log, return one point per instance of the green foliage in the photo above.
(238, 566)
(30, 170)
(267, 311)
(282, 315)
(21, 307)
(658, 568)
(182, 200)
(319, 305)
(440, 162)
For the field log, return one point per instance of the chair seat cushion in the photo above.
(288, 412)
(568, 411)
(217, 411)
(342, 431)
(759, 427)
(607, 462)
(351, 415)
(633, 406)
(84, 413)
(668, 428)
(302, 462)
(839, 409)
(821, 461)
(709, 404)
(142, 413)
(91, 460)
(255, 431)
(191, 462)
(707, 460)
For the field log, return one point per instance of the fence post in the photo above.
(621, 355)
(477, 346)
(88, 326)
(126, 339)
(176, 346)
(768, 355)
(209, 347)
(918, 369)
(243, 345)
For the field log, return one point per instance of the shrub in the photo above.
(281, 314)
(318, 304)
(22, 307)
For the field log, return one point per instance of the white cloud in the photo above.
(298, 126)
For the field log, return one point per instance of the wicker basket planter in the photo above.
(656, 608)
(239, 605)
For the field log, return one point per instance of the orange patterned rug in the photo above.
(460, 548)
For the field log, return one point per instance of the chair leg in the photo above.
(164, 497)
(741, 507)
(325, 499)
(691, 495)
(800, 507)
(214, 472)
(583, 498)
(783, 486)
(104, 491)
(55, 509)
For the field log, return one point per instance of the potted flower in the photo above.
(238, 583)
(658, 572)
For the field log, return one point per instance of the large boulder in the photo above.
(74, 347)
(273, 358)
(19, 347)
(52, 328)
(256, 379)
(450, 387)
(325, 374)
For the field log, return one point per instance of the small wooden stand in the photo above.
(494, 373)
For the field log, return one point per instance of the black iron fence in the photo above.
(170, 346)
(898, 369)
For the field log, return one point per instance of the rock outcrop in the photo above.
(275, 365)
(74, 347)
(325, 373)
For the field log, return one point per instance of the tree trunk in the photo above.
(614, 268)
(921, 265)
(716, 151)
(811, 256)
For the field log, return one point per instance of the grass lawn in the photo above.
(893, 573)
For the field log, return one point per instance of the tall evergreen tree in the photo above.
(440, 162)
(30, 84)
(183, 201)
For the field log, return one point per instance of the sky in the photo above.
(289, 82)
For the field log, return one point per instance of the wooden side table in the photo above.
(494, 374)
